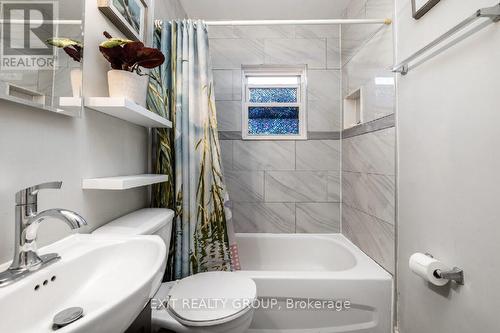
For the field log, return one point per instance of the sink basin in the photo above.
(111, 277)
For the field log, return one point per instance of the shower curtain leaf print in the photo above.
(182, 90)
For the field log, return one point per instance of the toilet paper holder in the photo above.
(455, 274)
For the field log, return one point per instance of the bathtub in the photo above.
(292, 271)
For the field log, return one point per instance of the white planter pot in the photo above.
(76, 81)
(128, 85)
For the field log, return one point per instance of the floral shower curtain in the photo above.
(182, 90)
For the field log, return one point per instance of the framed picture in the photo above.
(420, 7)
(127, 15)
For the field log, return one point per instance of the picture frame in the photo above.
(127, 15)
(421, 7)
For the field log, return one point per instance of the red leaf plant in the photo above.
(127, 55)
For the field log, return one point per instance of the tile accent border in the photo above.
(236, 135)
(230, 135)
(371, 126)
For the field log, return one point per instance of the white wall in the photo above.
(449, 178)
(38, 146)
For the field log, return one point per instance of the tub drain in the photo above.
(67, 316)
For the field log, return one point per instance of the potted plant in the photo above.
(74, 49)
(126, 79)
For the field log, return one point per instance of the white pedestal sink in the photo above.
(111, 277)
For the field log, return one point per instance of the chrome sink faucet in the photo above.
(28, 219)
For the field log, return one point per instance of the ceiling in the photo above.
(264, 9)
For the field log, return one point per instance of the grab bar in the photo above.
(493, 13)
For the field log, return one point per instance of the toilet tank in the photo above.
(146, 221)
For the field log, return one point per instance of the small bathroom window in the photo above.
(274, 103)
(353, 108)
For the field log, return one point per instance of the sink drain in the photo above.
(67, 316)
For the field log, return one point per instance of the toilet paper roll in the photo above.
(425, 266)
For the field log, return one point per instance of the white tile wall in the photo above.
(368, 160)
(264, 155)
(296, 186)
(264, 217)
(318, 155)
(317, 217)
(274, 185)
(310, 52)
(232, 53)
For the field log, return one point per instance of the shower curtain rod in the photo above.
(302, 22)
(386, 21)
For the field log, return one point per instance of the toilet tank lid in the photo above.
(144, 221)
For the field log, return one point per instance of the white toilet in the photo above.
(213, 302)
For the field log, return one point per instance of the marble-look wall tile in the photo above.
(245, 186)
(356, 9)
(371, 153)
(227, 84)
(323, 85)
(220, 32)
(333, 53)
(323, 95)
(237, 85)
(228, 115)
(310, 52)
(264, 31)
(370, 193)
(317, 31)
(223, 84)
(232, 53)
(296, 186)
(373, 59)
(264, 155)
(317, 217)
(375, 237)
(264, 217)
(318, 155)
(333, 186)
(226, 151)
(323, 117)
(379, 8)
(359, 33)
(379, 99)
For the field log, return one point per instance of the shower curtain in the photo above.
(182, 90)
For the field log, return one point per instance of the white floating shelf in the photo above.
(71, 104)
(127, 110)
(122, 182)
(35, 105)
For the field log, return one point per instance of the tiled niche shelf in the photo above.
(353, 108)
(127, 110)
(122, 182)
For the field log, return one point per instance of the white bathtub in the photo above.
(299, 267)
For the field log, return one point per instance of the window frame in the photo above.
(274, 71)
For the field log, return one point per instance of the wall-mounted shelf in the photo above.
(35, 105)
(127, 110)
(122, 182)
(71, 104)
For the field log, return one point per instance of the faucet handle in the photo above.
(29, 195)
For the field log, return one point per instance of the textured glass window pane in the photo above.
(273, 120)
(273, 80)
(277, 95)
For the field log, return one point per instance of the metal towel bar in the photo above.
(493, 13)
